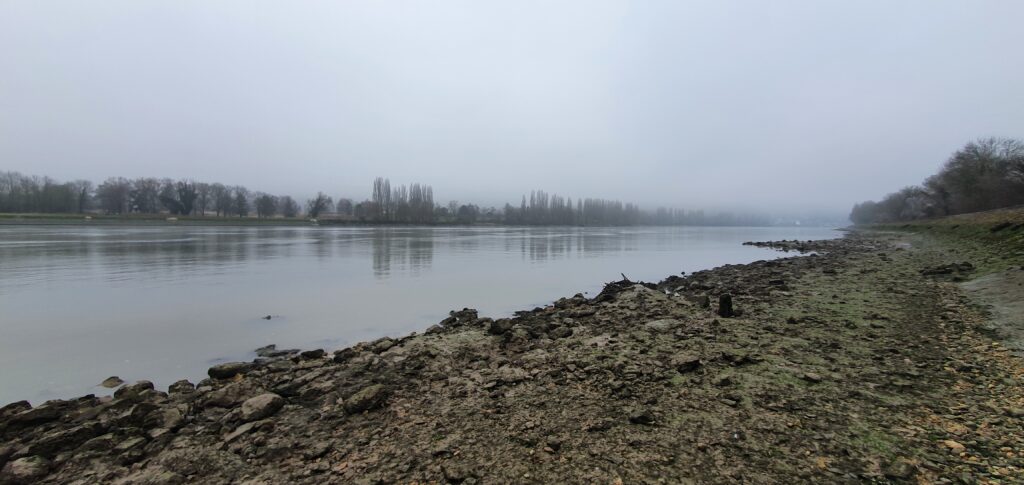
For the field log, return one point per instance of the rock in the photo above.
(317, 450)
(644, 417)
(64, 439)
(367, 399)
(100, 443)
(704, 301)
(344, 355)
(133, 391)
(954, 446)
(131, 449)
(561, 332)
(262, 406)
(725, 309)
(899, 469)
(1015, 412)
(230, 369)
(25, 470)
(500, 326)
(229, 395)
(42, 413)
(111, 382)
(382, 345)
(239, 431)
(172, 418)
(685, 362)
(511, 375)
(433, 329)
(811, 377)
(181, 387)
(313, 354)
(664, 325)
(266, 350)
(14, 408)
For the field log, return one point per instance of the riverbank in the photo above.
(866, 360)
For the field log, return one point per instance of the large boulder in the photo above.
(228, 370)
(262, 406)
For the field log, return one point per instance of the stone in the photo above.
(725, 309)
(266, 350)
(811, 377)
(1015, 412)
(899, 469)
(500, 326)
(685, 362)
(239, 431)
(367, 399)
(230, 369)
(644, 417)
(561, 332)
(344, 355)
(511, 375)
(181, 387)
(663, 325)
(64, 439)
(172, 418)
(954, 446)
(433, 329)
(382, 345)
(133, 391)
(312, 354)
(317, 450)
(28, 469)
(112, 382)
(15, 408)
(42, 413)
(704, 301)
(228, 395)
(262, 406)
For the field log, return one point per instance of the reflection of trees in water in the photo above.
(540, 245)
(400, 250)
(173, 253)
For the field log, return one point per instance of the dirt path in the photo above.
(863, 362)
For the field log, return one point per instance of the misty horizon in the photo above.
(779, 109)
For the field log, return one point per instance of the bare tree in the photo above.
(289, 208)
(83, 195)
(344, 207)
(203, 193)
(317, 205)
(241, 201)
(115, 195)
(266, 205)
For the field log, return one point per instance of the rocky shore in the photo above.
(862, 361)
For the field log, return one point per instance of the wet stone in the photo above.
(230, 369)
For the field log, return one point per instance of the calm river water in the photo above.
(79, 304)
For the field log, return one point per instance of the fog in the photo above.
(739, 105)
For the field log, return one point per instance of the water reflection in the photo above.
(30, 255)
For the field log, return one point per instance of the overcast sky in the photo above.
(771, 105)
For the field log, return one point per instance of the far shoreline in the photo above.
(213, 221)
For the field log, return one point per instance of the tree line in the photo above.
(412, 204)
(983, 175)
